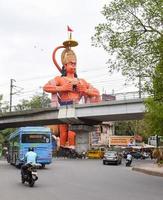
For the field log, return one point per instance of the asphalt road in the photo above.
(81, 180)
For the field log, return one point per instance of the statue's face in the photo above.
(70, 67)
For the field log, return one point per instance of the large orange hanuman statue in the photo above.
(68, 88)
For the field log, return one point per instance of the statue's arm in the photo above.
(92, 91)
(55, 85)
(51, 86)
(87, 89)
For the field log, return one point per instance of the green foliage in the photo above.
(158, 84)
(4, 107)
(4, 134)
(158, 75)
(130, 36)
(161, 162)
(154, 105)
(1, 97)
(124, 128)
(154, 117)
(132, 127)
(37, 101)
(1, 139)
(40, 101)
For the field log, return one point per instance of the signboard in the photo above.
(121, 140)
(94, 138)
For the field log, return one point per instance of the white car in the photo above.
(112, 157)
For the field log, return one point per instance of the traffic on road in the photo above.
(71, 179)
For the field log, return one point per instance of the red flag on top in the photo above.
(69, 29)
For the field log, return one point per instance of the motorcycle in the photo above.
(29, 174)
(128, 163)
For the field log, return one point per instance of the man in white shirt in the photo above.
(129, 156)
(128, 159)
(31, 156)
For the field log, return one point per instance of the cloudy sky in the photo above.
(29, 32)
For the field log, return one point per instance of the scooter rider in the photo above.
(30, 158)
(129, 156)
(129, 159)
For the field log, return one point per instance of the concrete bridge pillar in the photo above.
(82, 136)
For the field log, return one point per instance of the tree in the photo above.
(158, 76)
(4, 106)
(37, 101)
(40, 101)
(131, 36)
(124, 128)
(154, 117)
(1, 103)
(154, 104)
(4, 133)
(132, 127)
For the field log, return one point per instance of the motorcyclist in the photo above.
(30, 159)
(129, 158)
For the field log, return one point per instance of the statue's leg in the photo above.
(63, 129)
(71, 139)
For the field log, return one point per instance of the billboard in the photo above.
(121, 140)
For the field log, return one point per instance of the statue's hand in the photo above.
(81, 88)
(67, 87)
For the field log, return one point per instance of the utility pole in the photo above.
(11, 92)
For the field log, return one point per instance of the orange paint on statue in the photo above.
(71, 138)
(63, 129)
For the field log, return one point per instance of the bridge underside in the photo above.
(120, 117)
(78, 114)
(90, 120)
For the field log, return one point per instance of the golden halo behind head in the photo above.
(70, 43)
(67, 56)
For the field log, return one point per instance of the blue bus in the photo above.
(40, 138)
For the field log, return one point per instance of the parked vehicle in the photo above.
(137, 155)
(29, 174)
(95, 154)
(112, 157)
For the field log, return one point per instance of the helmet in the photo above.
(30, 149)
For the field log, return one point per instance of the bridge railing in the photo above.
(104, 97)
(130, 95)
(121, 96)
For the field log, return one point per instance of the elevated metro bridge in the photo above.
(89, 114)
